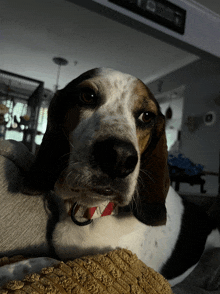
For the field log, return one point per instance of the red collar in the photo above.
(83, 215)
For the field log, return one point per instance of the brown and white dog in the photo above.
(105, 141)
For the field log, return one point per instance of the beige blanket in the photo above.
(23, 218)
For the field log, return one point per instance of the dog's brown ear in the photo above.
(149, 203)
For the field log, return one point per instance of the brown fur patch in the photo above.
(145, 99)
(143, 139)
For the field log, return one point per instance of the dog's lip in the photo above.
(107, 191)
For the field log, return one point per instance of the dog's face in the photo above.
(108, 129)
(105, 139)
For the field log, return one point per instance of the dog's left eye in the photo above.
(88, 97)
(146, 117)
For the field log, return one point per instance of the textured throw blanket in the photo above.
(205, 279)
(116, 272)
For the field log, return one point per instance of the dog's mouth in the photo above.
(94, 196)
(105, 191)
(100, 189)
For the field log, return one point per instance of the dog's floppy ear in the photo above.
(149, 202)
(53, 155)
(50, 159)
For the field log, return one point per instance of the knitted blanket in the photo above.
(116, 272)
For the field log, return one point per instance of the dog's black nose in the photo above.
(115, 157)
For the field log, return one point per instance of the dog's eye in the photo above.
(146, 117)
(88, 96)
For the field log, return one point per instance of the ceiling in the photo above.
(34, 31)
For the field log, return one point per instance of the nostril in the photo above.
(104, 156)
(114, 157)
(131, 162)
(126, 167)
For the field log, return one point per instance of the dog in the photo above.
(105, 144)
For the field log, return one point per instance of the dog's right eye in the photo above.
(88, 97)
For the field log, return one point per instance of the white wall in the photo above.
(203, 145)
(202, 80)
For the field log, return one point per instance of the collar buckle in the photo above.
(75, 220)
(78, 212)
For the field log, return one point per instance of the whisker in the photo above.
(140, 180)
(68, 139)
(72, 163)
(135, 198)
(69, 173)
(86, 180)
(66, 154)
(147, 174)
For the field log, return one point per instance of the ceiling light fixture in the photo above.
(59, 61)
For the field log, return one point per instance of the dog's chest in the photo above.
(153, 245)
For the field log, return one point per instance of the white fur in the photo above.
(110, 232)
